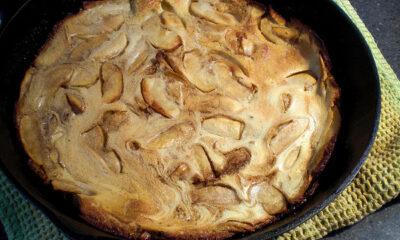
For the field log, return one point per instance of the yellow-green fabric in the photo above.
(377, 182)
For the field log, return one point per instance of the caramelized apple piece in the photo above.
(303, 81)
(291, 181)
(112, 48)
(112, 82)
(76, 102)
(154, 93)
(203, 163)
(271, 199)
(266, 30)
(180, 7)
(86, 75)
(286, 133)
(184, 172)
(288, 34)
(276, 17)
(94, 138)
(138, 61)
(173, 136)
(205, 10)
(217, 159)
(229, 68)
(112, 120)
(112, 22)
(44, 86)
(206, 103)
(177, 66)
(84, 49)
(160, 37)
(215, 195)
(83, 26)
(199, 73)
(291, 158)
(172, 22)
(223, 127)
(112, 161)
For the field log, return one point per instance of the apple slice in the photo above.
(303, 81)
(154, 94)
(85, 75)
(282, 136)
(271, 198)
(206, 11)
(94, 138)
(173, 136)
(288, 34)
(84, 49)
(199, 73)
(266, 30)
(223, 127)
(112, 83)
(76, 102)
(203, 163)
(172, 22)
(112, 48)
(276, 17)
(160, 37)
(83, 26)
(206, 103)
(215, 195)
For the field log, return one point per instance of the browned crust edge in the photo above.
(102, 220)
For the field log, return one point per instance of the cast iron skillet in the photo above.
(353, 68)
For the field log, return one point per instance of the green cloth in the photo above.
(376, 184)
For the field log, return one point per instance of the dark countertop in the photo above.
(382, 18)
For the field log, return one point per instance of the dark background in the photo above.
(382, 18)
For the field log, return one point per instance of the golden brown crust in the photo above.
(185, 120)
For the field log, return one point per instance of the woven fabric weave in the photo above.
(377, 183)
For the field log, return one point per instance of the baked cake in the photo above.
(180, 119)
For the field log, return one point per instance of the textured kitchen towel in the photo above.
(377, 182)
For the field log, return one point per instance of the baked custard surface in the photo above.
(182, 119)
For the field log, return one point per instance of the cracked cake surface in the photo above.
(177, 118)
